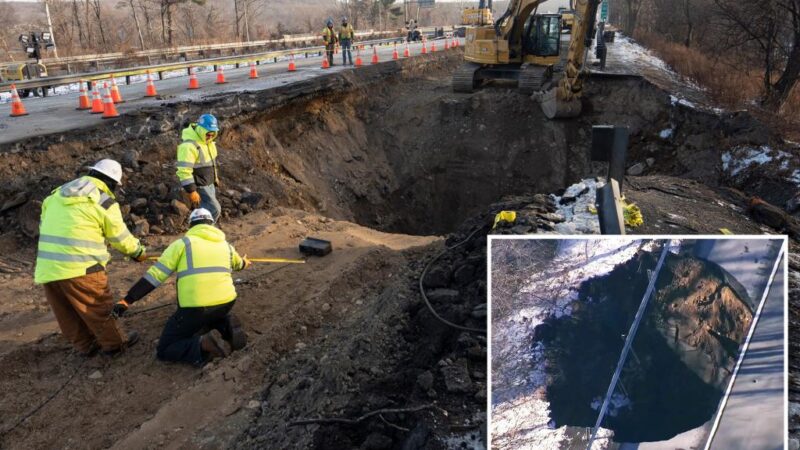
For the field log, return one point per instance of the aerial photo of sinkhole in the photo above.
(623, 343)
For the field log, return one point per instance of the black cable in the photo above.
(425, 297)
(48, 400)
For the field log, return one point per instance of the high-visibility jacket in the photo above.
(197, 159)
(346, 32)
(77, 220)
(328, 36)
(203, 261)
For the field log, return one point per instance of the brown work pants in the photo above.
(82, 307)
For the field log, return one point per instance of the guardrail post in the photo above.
(237, 65)
(215, 67)
(127, 79)
(160, 75)
(275, 59)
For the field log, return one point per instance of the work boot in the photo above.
(234, 334)
(94, 347)
(133, 337)
(213, 345)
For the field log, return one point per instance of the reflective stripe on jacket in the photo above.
(202, 261)
(197, 159)
(328, 36)
(346, 32)
(77, 219)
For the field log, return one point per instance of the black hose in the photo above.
(425, 297)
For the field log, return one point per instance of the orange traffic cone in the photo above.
(115, 94)
(151, 87)
(407, 52)
(395, 55)
(220, 75)
(193, 82)
(17, 108)
(446, 44)
(424, 48)
(375, 59)
(110, 111)
(253, 71)
(325, 63)
(359, 62)
(292, 66)
(433, 46)
(83, 101)
(97, 102)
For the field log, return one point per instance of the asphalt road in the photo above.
(58, 113)
(754, 415)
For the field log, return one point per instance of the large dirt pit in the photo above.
(682, 356)
(380, 161)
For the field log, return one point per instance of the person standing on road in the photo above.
(329, 37)
(203, 261)
(346, 36)
(77, 220)
(197, 164)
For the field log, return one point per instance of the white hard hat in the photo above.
(200, 214)
(109, 168)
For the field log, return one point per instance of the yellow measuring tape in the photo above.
(261, 260)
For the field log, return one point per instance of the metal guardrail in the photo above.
(169, 67)
(179, 51)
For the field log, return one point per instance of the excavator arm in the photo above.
(564, 99)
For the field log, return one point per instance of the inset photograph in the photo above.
(638, 343)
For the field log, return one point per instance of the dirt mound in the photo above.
(682, 356)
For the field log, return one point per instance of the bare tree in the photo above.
(770, 31)
(132, 5)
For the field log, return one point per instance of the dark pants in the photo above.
(330, 49)
(180, 340)
(346, 53)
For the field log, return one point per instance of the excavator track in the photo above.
(533, 78)
(464, 79)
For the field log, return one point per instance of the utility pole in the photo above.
(50, 28)
(246, 25)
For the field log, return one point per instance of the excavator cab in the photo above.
(542, 36)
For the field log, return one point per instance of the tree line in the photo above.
(756, 42)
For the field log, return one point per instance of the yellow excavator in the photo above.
(525, 46)
(482, 15)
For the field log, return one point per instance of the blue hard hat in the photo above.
(208, 122)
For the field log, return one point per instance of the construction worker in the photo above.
(329, 37)
(197, 164)
(77, 220)
(346, 36)
(203, 262)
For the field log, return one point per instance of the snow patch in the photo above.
(578, 215)
(666, 133)
(521, 414)
(736, 160)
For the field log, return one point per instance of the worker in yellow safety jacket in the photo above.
(329, 37)
(197, 164)
(77, 219)
(203, 261)
(346, 36)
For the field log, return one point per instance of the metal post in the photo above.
(609, 209)
(50, 28)
(610, 144)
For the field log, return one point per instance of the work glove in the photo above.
(119, 308)
(245, 262)
(141, 256)
(194, 199)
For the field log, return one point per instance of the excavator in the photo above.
(525, 46)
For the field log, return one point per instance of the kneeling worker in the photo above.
(203, 261)
(77, 220)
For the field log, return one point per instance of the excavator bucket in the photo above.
(557, 108)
